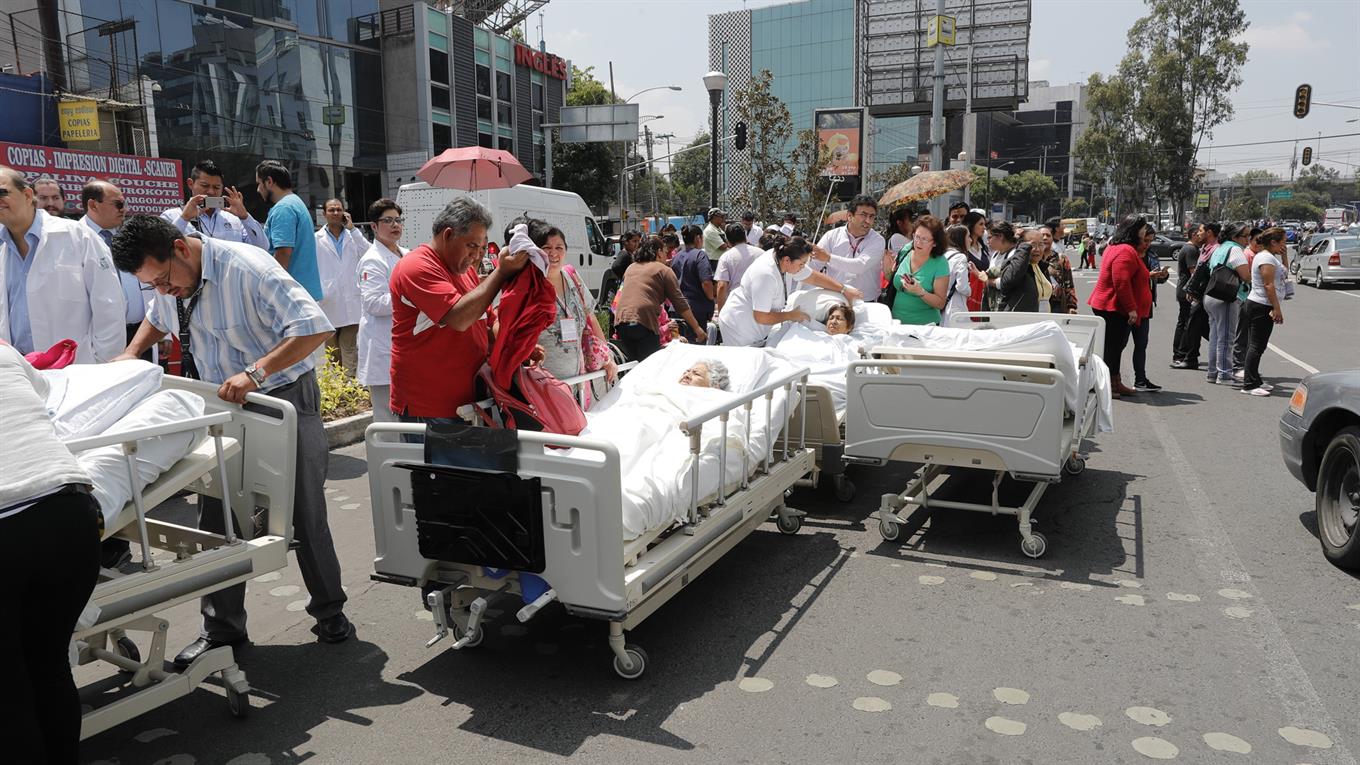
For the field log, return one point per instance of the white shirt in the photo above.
(36, 462)
(339, 272)
(375, 318)
(959, 285)
(753, 235)
(855, 261)
(220, 224)
(734, 262)
(763, 288)
(1258, 285)
(134, 299)
(73, 292)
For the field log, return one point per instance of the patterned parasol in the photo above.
(926, 185)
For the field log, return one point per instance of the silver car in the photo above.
(1320, 444)
(1328, 259)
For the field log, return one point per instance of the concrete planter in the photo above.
(347, 430)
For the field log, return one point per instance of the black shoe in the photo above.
(115, 553)
(334, 629)
(1146, 386)
(201, 646)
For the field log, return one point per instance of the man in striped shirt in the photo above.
(254, 329)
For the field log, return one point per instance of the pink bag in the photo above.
(60, 355)
(537, 401)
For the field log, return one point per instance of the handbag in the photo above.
(1223, 283)
(535, 401)
(888, 294)
(594, 350)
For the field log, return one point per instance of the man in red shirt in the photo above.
(441, 315)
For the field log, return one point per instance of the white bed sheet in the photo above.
(826, 356)
(87, 399)
(642, 417)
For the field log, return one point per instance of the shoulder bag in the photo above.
(889, 293)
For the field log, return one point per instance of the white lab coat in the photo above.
(375, 320)
(73, 292)
(339, 273)
(221, 224)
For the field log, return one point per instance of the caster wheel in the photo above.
(637, 659)
(124, 647)
(1035, 546)
(845, 490)
(477, 636)
(238, 702)
(1074, 466)
(889, 530)
(788, 524)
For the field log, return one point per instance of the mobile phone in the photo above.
(216, 203)
(908, 278)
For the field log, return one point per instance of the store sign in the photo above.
(539, 61)
(149, 184)
(79, 120)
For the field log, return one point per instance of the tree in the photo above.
(1114, 148)
(1243, 206)
(589, 169)
(768, 128)
(689, 177)
(804, 190)
(1300, 208)
(980, 192)
(1316, 184)
(1076, 207)
(1030, 188)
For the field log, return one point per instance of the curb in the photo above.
(347, 430)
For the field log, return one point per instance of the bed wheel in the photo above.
(1035, 546)
(788, 524)
(124, 647)
(477, 635)
(1074, 466)
(637, 665)
(238, 701)
(889, 530)
(845, 489)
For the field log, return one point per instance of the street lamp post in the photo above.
(715, 83)
(623, 172)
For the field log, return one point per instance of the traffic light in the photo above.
(1303, 99)
(1307, 155)
(740, 143)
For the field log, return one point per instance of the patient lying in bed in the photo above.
(709, 373)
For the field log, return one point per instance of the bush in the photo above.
(341, 395)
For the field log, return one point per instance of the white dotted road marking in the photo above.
(822, 681)
(1079, 721)
(1148, 716)
(884, 677)
(1226, 742)
(272, 576)
(1005, 726)
(424, 616)
(1132, 600)
(1238, 612)
(1305, 737)
(341, 498)
(1182, 597)
(1232, 594)
(871, 704)
(755, 684)
(1131, 584)
(1010, 695)
(928, 579)
(1155, 748)
(983, 576)
(350, 506)
(147, 736)
(1079, 586)
(285, 590)
(297, 605)
(943, 700)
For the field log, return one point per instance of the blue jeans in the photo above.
(1222, 328)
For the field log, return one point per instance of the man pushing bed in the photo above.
(254, 329)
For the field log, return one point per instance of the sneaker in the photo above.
(1212, 378)
(1178, 364)
(1224, 379)
(1239, 374)
(1256, 391)
(1146, 386)
(1267, 387)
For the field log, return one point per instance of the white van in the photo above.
(586, 250)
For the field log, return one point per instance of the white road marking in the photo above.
(1305, 737)
(1148, 716)
(943, 700)
(755, 684)
(1309, 368)
(1011, 695)
(1293, 689)
(1226, 742)
(871, 704)
(822, 681)
(1078, 721)
(1005, 727)
(1155, 748)
(884, 677)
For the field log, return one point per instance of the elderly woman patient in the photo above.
(840, 320)
(709, 373)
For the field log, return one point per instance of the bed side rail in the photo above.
(968, 414)
(1087, 332)
(1036, 360)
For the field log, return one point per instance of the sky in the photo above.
(665, 42)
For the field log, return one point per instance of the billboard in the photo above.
(598, 124)
(149, 184)
(841, 131)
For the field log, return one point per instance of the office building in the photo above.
(1041, 135)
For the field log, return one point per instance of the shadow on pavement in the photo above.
(549, 684)
(295, 689)
(344, 467)
(1165, 397)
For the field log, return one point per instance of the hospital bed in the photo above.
(1002, 411)
(547, 525)
(247, 460)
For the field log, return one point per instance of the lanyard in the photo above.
(854, 250)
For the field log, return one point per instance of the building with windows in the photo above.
(448, 82)
(810, 49)
(1041, 135)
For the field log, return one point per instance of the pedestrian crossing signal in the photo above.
(1303, 100)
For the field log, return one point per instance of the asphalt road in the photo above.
(1183, 611)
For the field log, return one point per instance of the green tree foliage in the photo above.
(980, 192)
(1029, 190)
(1113, 147)
(1301, 208)
(769, 128)
(1243, 206)
(1076, 207)
(1317, 184)
(804, 190)
(589, 169)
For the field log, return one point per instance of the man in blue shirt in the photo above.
(292, 237)
(254, 329)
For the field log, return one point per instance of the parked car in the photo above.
(1164, 246)
(1320, 444)
(1328, 259)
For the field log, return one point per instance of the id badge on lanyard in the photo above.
(854, 250)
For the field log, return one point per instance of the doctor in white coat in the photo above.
(375, 320)
(339, 245)
(58, 280)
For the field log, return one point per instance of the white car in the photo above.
(1329, 259)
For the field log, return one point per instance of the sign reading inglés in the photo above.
(79, 120)
(539, 61)
(149, 184)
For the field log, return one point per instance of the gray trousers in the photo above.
(224, 611)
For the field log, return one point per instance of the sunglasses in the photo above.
(117, 203)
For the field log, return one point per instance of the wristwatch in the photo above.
(257, 374)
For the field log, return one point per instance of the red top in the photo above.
(528, 306)
(1123, 284)
(433, 366)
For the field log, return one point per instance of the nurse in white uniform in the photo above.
(375, 297)
(756, 306)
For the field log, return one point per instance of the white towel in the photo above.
(520, 242)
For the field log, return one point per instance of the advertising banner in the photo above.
(841, 132)
(149, 184)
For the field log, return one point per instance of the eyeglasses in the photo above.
(117, 203)
(392, 220)
(160, 281)
(866, 214)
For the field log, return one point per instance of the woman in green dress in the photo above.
(922, 279)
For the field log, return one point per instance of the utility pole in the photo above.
(937, 136)
(651, 170)
(669, 169)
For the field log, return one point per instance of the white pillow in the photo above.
(86, 399)
(747, 367)
(816, 303)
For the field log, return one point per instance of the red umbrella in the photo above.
(472, 168)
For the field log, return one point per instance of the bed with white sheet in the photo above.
(1012, 394)
(611, 522)
(144, 437)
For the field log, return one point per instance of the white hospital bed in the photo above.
(564, 517)
(247, 461)
(999, 411)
